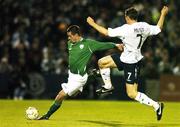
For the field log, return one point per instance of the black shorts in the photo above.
(131, 71)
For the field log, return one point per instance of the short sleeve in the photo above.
(116, 31)
(98, 46)
(153, 29)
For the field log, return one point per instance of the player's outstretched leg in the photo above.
(144, 99)
(55, 106)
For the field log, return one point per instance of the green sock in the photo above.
(54, 107)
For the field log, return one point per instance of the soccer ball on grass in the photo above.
(32, 113)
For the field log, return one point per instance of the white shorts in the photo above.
(75, 83)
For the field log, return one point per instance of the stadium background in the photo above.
(33, 55)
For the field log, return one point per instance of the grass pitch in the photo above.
(89, 114)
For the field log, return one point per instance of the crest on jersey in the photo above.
(81, 46)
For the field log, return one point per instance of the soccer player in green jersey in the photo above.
(80, 51)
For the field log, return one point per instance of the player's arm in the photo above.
(164, 12)
(98, 46)
(99, 28)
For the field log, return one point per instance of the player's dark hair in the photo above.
(132, 13)
(74, 29)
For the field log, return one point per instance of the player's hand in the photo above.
(90, 20)
(164, 10)
(120, 47)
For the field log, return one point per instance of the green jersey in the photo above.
(81, 52)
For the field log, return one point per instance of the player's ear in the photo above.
(126, 18)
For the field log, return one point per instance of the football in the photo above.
(32, 113)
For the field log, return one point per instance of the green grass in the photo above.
(89, 114)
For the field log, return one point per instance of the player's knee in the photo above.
(100, 63)
(131, 94)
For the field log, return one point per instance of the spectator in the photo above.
(5, 67)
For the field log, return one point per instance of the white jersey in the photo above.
(133, 37)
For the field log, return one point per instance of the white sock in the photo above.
(105, 74)
(144, 99)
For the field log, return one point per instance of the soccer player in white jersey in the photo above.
(133, 34)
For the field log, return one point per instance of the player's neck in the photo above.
(130, 22)
(79, 39)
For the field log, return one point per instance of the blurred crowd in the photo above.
(33, 34)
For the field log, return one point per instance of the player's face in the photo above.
(72, 37)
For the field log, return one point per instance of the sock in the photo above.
(54, 107)
(144, 99)
(105, 74)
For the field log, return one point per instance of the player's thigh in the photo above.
(74, 87)
(131, 74)
(131, 77)
(106, 62)
(75, 83)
